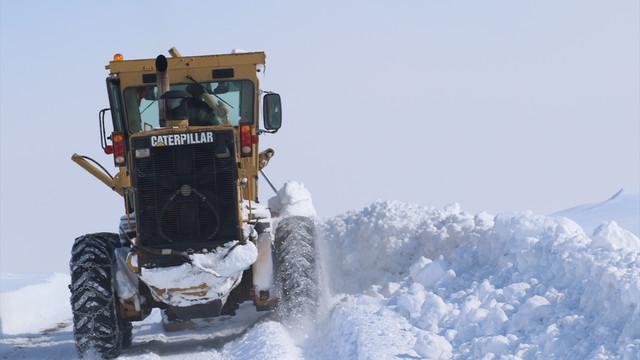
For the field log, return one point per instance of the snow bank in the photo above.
(612, 237)
(41, 305)
(408, 281)
(623, 208)
(379, 244)
(292, 199)
(521, 286)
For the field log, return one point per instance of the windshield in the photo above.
(203, 104)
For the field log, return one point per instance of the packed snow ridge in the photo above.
(520, 286)
(405, 281)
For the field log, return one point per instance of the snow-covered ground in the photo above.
(405, 281)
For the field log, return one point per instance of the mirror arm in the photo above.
(262, 131)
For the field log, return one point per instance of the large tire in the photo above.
(295, 269)
(96, 326)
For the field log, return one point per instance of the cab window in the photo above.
(203, 104)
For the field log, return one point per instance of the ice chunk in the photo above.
(432, 346)
(610, 236)
(293, 199)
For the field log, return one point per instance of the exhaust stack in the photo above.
(162, 79)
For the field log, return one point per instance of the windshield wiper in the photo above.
(145, 109)
(207, 91)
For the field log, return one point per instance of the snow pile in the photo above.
(515, 285)
(292, 199)
(612, 237)
(218, 270)
(622, 208)
(408, 282)
(39, 305)
(379, 244)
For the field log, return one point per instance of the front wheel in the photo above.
(295, 269)
(96, 325)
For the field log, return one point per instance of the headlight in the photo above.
(142, 153)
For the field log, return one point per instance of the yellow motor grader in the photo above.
(194, 239)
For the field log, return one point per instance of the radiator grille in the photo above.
(186, 195)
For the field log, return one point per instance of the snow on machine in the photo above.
(194, 240)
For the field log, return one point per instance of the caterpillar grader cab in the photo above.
(194, 239)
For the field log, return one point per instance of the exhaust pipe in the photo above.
(162, 79)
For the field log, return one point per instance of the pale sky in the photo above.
(499, 106)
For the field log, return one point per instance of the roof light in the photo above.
(118, 57)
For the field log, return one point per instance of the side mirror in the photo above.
(272, 112)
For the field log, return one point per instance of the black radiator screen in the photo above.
(185, 189)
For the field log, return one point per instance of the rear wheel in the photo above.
(295, 268)
(96, 326)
